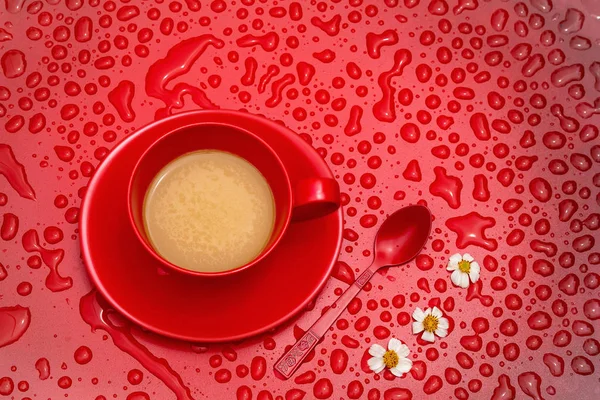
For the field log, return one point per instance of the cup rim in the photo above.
(263, 254)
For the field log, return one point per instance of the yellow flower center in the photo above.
(464, 266)
(430, 323)
(390, 359)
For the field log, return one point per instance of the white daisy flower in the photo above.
(395, 358)
(464, 268)
(430, 322)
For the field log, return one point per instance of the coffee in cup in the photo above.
(209, 211)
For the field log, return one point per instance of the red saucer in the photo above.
(198, 309)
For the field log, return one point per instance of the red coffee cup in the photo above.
(306, 199)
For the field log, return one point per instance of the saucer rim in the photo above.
(84, 227)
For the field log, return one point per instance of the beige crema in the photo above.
(209, 211)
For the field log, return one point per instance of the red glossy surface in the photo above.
(194, 308)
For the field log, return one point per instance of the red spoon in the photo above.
(399, 239)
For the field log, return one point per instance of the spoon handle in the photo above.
(292, 359)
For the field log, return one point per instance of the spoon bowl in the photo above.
(402, 235)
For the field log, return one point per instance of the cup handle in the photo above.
(314, 198)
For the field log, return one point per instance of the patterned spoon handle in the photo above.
(293, 358)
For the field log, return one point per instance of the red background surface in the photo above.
(125, 40)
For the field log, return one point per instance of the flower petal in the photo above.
(455, 277)
(437, 312)
(376, 350)
(441, 332)
(443, 323)
(453, 262)
(418, 327)
(403, 351)
(428, 336)
(418, 314)
(455, 258)
(464, 281)
(474, 272)
(394, 344)
(467, 257)
(404, 365)
(427, 311)
(378, 370)
(397, 372)
(375, 363)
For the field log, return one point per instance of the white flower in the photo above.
(394, 358)
(430, 322)
(464, 268)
